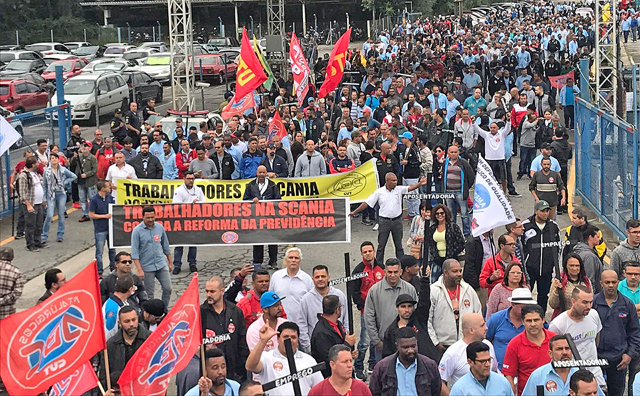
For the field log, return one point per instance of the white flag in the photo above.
(8, 135)
(491, 208)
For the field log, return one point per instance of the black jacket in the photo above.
(228, 167)
(108, 286)
(453, 239)
(538, 258)
(473, 255)
(384, 381)
(119, 354)
(154, 167)
(252, 191)
(279, 167)
(235, 350)
(324, 336)
(419, 323)
(389, 164)
(355, 286)
(412, 168)
(561, 150)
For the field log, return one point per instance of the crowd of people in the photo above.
(456, 315)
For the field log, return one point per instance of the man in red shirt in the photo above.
(250, 304)
(105, 157)
(341, 381)
(493, 269)
(528, 350)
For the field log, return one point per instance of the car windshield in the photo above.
(134, 55)
(206, 60)
(117, 66)
(22, 65)
(86, 50)
(158, 60)
(220, 42)
(38, 47)
(4, 90)
(114, 50)
(66, 66)
(78, 87)
(7, 57)
(72, 46)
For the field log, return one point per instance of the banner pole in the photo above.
(101, 388)
(347, 272)
(203, 363)
(106, 368)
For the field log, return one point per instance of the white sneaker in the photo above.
(375, 227)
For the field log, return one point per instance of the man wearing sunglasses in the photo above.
(123, 263)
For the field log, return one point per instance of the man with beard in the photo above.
(147, 166)
(215, 381)
(272, 311)
(223, 317)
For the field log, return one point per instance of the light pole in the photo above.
(250, 17)
(315, 22)
(347, 20)
(159, 31)
(221, 27)
(128, 33)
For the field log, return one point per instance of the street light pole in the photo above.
(221, 27)
(159, 31)
(347, 21)
(250, 17)
(128, 33)
(315, 22)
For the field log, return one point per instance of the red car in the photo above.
(70, 68)
(213, 67)
(22, 95)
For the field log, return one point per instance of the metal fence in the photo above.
(606, 165)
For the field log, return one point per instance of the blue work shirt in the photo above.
(553, 384)
(536, 164)
(407, 378)
(150, 245)
(468, 385)
(231, 388)
(100, 206)
(620, 328)
(236, 154)
(633, 295)
(500, 331)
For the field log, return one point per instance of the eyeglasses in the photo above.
(440, 213)
(190, 178)
(126, 261)
(484, 361)
(515, 273)
(510, 244)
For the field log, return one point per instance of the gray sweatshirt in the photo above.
(380, 307)
(592, 264)
(208, 168)
(317, 166)
(528, 136)
(622, 255)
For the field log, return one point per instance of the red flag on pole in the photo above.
(249, 74)
(299, 68)
(47, 343)
(238, 107)
(167, 350)
(560, 81)
(335, 68)
(80, 381)
(276, 127)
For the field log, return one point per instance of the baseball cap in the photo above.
(405, 298)
(407, 135)
(542, 205)
(155, 307)
(367, 110)
(206, 136)
(310, 100)
(522, 295)
(179, 119)
(118, 111)
(269, 299)
(546, 145)
(271, 145)
(407, 261)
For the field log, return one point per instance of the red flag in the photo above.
(80, 381)
(276, 127)
(249, 74)
(238, 107)
(47, 343)
(561, 80)
(299, 68)
(335, 68)
(168, 349)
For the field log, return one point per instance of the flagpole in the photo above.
(101, 388)
(202, 360)
(107, 369)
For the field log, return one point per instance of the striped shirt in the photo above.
(11, 284)
(454, 177)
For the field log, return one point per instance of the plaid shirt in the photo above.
(11, 284)
(26, 189)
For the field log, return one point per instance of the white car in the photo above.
(118, 51)
(17, 125)
(139, 54)
(108, 90)
(48, 48)
(116, 65)
(74, 45)
(49, 59)
(158, 66)
(157, 45)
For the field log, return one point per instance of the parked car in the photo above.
(90, 53)
(157, 45)
(116, 65)
(22, 95)
(36, 79)
(117, 52)
(48, 48)
(8, 56)
(213, 67)
(158, 66)
(139, 55)
(74, 45)
(143, 86)
(49, 59)
(16, 67)
(9, 47)
(224, 42)
(108, 89)
(70, 68)
(17, 125)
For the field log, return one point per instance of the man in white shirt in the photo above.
(584, 325)
(119, 170)
(494, 149)
(293, 283)
(453, 364)
(274, 364)
(187, 193)
(389, 197)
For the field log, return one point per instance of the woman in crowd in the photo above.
(416, 231)
(573, 274)
(513, 279)
(443, 240)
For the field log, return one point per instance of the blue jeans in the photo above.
(55, 205)
(191, 256)
(527, 154)
(413, 205)
(101, 239)
(460, 203)
(363, 345)
(85, 193)
(165, 283)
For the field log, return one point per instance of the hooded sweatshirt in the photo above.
(314, 166)
(592, 264)
(622, 255)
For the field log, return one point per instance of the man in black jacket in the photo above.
(541, 247)
(223, 161)
(329, 331)
(123, 263)
(475, 251)
(146, 165)
(222, 317)
(411, 172)
(275, 164)
(257, 190)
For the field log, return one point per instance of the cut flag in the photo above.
(80, 381)
(168, 349)
(276, 128)
(491, 208)
(249, 75)
(8, 135)
(263, 61)
(299, 69)
(49, 342)
(335, 67)
(238, 107)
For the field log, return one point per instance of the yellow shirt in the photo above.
(441, 242)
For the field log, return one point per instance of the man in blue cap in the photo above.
(410, 161)
(271, 306)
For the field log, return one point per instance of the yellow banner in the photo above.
(357, 185)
